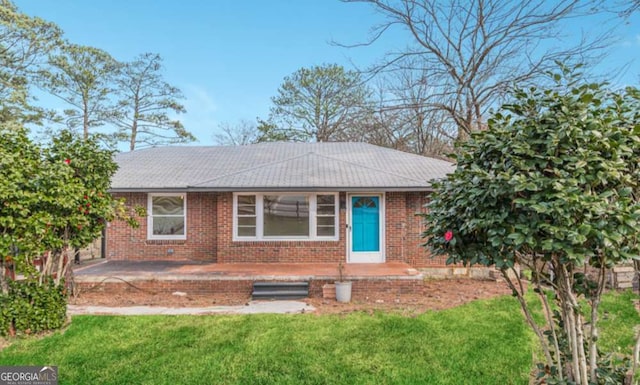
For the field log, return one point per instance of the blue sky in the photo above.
(229, 57)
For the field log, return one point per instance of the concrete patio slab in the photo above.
(194, 270)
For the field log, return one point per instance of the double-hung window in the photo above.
(167, 216)
(285, 216)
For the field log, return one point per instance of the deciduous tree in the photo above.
(240, 134)
(472, 51)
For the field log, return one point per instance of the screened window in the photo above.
(167, 216)
(285, 216)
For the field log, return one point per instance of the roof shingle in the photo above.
(276, 166)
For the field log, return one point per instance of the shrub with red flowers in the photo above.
(54, 198)
(552, 186)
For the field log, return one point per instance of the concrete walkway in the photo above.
(253, 307)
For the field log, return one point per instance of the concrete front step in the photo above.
(279, 296)
(280, 290)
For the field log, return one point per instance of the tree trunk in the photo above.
(4, 285)
(574, 324)
(85, 119)
(528, 316)
(552, 327)
(134, 127)
(132, 141)
(595, 332)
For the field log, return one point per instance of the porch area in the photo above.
(236, 279)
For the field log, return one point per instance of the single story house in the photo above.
(275, 203)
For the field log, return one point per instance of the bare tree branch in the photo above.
(473, 51)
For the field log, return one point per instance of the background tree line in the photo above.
(460, 60)
(114, 101)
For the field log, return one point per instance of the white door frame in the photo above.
(366, 257)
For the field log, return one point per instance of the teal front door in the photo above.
(365, 229)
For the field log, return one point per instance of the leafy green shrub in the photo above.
(30, 307)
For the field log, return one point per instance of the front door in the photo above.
(365, 244)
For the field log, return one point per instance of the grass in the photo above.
(618, 319)
(484, 342)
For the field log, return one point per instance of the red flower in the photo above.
(448, 235)
(67, 161)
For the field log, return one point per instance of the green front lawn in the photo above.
(485, 342)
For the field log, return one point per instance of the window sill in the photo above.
(285, 240)
(166, 241)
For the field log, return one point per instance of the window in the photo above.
(285, 215)
(326, 216)
(292, 216)
(246, 215)
(167, 216)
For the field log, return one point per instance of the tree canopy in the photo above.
(83, 78)
(25, 43)
(146, 101)
(320, 103)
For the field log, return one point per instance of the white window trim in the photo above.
(150, 235)
(312, 217)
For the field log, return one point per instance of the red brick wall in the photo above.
(404, 228)
(124, 242)
(210, 235)
(240, 290)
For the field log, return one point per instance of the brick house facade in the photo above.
(275, 203)
(209, 235)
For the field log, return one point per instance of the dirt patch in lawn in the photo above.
(438, 295)
(144, 298)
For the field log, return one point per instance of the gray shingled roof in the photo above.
(276, 166)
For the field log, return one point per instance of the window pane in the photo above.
(173, 205)
(168, 226)
(326, 231)
(326, 199)
(326, 210)
(286, 215)
(246, 210)
(246, 231)
(249, 200)
(247, 221)
(325, 221)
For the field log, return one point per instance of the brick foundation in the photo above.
(241, 288)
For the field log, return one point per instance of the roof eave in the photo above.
(272, 189)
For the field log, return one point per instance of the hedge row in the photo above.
(30, 307)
